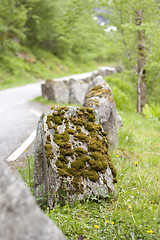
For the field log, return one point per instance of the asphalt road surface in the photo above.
(18, 116)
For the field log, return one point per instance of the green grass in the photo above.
(39, 64)
(51, 103)
(135, 212)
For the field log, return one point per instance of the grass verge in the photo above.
(135, 212)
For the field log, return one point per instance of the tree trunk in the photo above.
(141, 84)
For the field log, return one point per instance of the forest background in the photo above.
(46, 39)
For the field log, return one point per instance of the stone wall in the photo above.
(72, 89)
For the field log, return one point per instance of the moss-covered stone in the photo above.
(49, 151)
(99, 91)
(93, 102)
(78, 133)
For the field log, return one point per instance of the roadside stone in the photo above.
(20, 217)
(100, 97)
(71, 156)
(78, 91)
(57, 91)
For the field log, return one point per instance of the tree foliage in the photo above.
(62, 27)
(137, 23)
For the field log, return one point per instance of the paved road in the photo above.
(18, 116)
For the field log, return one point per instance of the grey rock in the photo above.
(100, 97)
(57, 91)
(78, 91)
(71, 156)
(20, 217)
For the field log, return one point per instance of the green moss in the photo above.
(105, 182)
(61, 139)
(89, 110)
(63, 172)
(82, 137)
(80, 150)
(93, 101)
(96, 165)
(91, 117)
(97, 155)
(58, 120)
(77, 164)
(71, 131)
(66, 137)
(48, 138)
(98, 91)
(95, 145)
(63, 159)
(49, 124)
(93, 175)
(66, 151)
(76, 121)
(78, 129)
(85, 158)
(104, 133)
(59, 164)
(89, 126)
(49, 118)
(55, 127)
(48, 150)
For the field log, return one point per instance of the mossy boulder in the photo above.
(100, 97)
(71, 156)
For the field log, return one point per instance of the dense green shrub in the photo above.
(123, 91)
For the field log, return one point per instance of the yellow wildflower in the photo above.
(107, 221)
(112, 223)
(150, 231)
(129, 207)
(96, 226)
(117, 156)
(136, 163)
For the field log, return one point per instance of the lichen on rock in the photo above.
(74, 156)
(100, 97)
